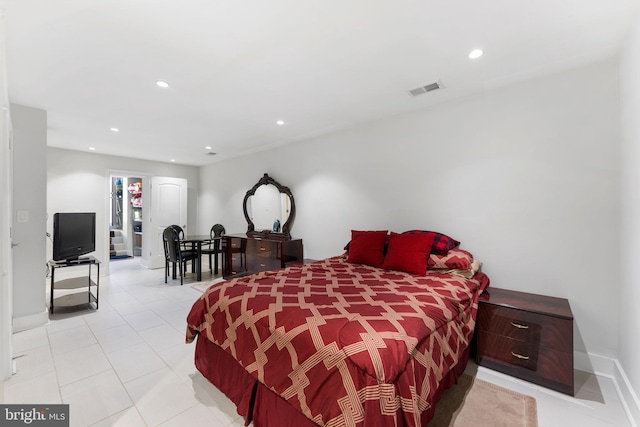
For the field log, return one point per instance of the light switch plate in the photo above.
(23, 216)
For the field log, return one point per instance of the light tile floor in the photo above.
(126, 364)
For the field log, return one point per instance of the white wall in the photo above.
(526, 177)
(78, 182)
(630, 224)
(30, 198)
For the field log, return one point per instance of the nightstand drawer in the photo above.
(533, 328)
(513, 352)
(542, 365)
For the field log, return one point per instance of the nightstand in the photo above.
(527, 336)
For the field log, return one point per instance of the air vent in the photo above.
(211, 153)
(424, 89)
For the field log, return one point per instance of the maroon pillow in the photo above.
(386, 242)
(408, 252)
(441, 242)
(367, 247)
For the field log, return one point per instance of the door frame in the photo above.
(6, 218)
(6, 240)
(146, 177)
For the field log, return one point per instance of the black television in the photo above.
(74, 234)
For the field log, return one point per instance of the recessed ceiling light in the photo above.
(280, 122)
(207, 148)
(162, 83)
(476, 53)
(115, 130)
(92, 148)
(173, 160)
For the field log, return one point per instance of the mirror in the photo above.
(269, 208)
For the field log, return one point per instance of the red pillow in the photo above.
(367, 247)
(441, 242)
(408, 252)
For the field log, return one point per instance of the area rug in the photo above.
(473, 402)
(204, 285)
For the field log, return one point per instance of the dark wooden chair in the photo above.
(213, 248)
(184, 245)
(175, 254)
(179, 230)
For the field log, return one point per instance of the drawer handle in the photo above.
(519, 326)
(519, 356)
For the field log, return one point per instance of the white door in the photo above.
(168, 207)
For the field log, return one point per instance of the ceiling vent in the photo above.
(424, 89)
(211, 153)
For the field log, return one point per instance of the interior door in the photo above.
(168, 206)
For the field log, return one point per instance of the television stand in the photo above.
(78, 289)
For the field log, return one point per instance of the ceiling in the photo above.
(235, 68)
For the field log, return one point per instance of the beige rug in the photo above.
(204, 285)
(473, 402)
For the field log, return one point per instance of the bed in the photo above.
(336, 343)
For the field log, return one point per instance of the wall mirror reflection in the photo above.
(269, 208)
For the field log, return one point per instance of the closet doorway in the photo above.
(134, 200)
(126, 211)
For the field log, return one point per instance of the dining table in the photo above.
(196, 242)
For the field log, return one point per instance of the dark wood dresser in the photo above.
(528, 336)
(243, 254)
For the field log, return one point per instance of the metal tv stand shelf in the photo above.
(83, 283)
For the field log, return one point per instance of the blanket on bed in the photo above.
(344, 343)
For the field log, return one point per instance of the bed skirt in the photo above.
(256, 402)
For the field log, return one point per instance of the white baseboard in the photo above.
(594, 363)
(145, 263)
(611, 368)
(30, 321)
(628, 395)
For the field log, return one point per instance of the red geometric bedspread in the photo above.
(344, 343)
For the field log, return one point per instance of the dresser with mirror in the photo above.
(269, 209)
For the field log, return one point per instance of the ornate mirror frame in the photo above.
(286, 227)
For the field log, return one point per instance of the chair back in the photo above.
(166, 246)
(171, 244)
(179, 230)
(217, 230)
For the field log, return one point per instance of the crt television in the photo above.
(74, 234)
